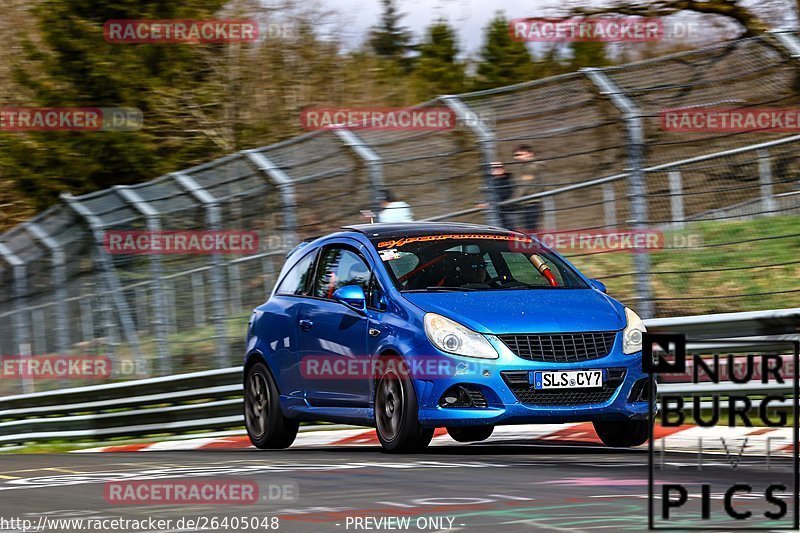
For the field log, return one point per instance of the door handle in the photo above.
(305, 324)
(374, 332)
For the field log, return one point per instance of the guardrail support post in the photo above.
(768, 204)
(58, 262)
(213, 222)
(676, 199)
(637, 185)
(285, 186)
(487, 142)
(152, 217)
(114, 287)
(198, 299)
(371, 159)
(609, 205)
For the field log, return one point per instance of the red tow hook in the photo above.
(544, 270)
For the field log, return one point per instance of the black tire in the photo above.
(471, 434)
(397, 413)
(624, 433)
(266, 425)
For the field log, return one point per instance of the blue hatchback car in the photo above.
(410, 327)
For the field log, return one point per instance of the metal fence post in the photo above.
(371, 159)
(787, 40)
(768, 204)
(22, 331)
(549, 208)
(285, 186)
(58, 262)
(487, 143)
(609, 205)
(110, 277)
(198, 299)
(637, 185)
(217, 278)
(235, 283)
(152, 218)
(676, 199)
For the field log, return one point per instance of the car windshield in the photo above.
(473, 262)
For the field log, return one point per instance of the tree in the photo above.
(736, 10)
(69, 64)
(389, 39)
(504, 61)
(588, 55)
(438, 69)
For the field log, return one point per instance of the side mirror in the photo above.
(599, 285)
(352, 296)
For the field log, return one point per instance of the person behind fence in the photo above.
(503, 189)
(394, 210)
(530, 211)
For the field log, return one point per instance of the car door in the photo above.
(279, 333)
(332, 338)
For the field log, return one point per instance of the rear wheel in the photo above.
(623, 433)
(266, 425)
(397, 414)
(470, 434)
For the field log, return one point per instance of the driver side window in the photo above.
(339, 267)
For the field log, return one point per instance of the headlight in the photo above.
(452, 337)
(632, 336)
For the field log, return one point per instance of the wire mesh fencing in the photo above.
(583, 160)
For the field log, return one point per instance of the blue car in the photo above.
(409, 327)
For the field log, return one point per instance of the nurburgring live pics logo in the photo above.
(666, 353)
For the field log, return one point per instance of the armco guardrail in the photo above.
(212, 400)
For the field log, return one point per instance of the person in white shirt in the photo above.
(394, 210)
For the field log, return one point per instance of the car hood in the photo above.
(526, 311)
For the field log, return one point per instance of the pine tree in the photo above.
(504, 61)
(438, 69)
(588, 55)
(389, 39)
(70, 64)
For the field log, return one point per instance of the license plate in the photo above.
(567, 379)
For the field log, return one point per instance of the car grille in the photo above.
(561, 347)
(517, 381)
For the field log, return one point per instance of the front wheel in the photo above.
(623, 433)
(470, 434)
(396, 414)
(266, 425)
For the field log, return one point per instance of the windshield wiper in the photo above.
(441, 288)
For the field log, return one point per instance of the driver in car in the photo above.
(472, 268)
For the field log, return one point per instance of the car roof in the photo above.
(410, 229)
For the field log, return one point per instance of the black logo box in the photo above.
(676, 343)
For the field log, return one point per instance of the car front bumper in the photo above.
(516, 402)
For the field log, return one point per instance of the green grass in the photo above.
(700, 270)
